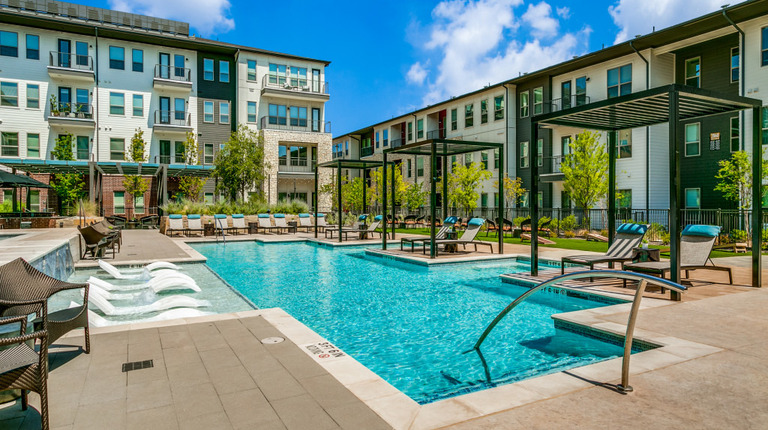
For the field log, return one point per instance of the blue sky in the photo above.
(391, 57)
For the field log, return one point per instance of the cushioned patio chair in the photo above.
(195, 225)
(175, 224)
(238, 223)
(467, 238)
(305, 223)
(440, 234)
(96, 243)
(220, 224)
(330, 230)
(322, 223)
(280, 223)
(265, 223)
(696, 242)
(628, 236)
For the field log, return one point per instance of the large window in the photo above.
(33, 145)
(468, 158)
(9, 94)
(118, 202)
(540, 152)
(278, 115)
(469, 115)
(565, 145)
(498, 108)
(116, 149)
(420, 128)
(408, 168)
(251, 70)
(419, 166)
(496, 158)
(565, 95)
(624, 200)
(619, 81)
(483, 200)
(524, 104)
(692, 140)
(484, 160)
(208, 153)
(454, 119)
(138, 105)
(116, 58)
(581, 91)
(524, 160)
(207, 69)
(178, 153)
(765, 125)
(207, 111)
(386, 137)
(624, 144)
(538, 101)
(33, 96)
(9, 44)
(735, 64)
(298, 116)
(483, 111)
(138, 204)
(735, 144)
(223, 71)
(299, 77)
(223, 112)
(251, 112)
(693, 198)
(117, 103)
(81, 53)
(34, 200)
(82, 147)
(137, 60)
(9, 144)
(763, 46)
(277, 74)
(33, 47)
(693, 72)
(410, 131)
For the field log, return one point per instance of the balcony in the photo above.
(366, 152)
(72, 116)
(553, 164)
(434, 134)
(396, 143)
(292, 88)
(172, 78)
(292, 124)
(175, 122)
(568, 102)
(338, 154)
(296, 166)
(70, 67)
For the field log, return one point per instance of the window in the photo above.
(496, 158)
(179, 71)
(277, 74)
(735, 134)
(116, 149)
(484, 160)
(496, 200)
(207, 111)
(498, 108)
(540, 152)
(82, 147)
(420, 129)
(693, 72)
(624, 200)
(693, 198)
(207, 69)
(208, 198)
(524, 154)
(33, 145)
(410, 131)
(278, 115)
(484, 200)
(118, 202)
(116, 58)
(9, 144)
(419, 166)
(9, 94)
(483, 111)
(178, 153)
(468, 159)
(33, 96)
(223, 112)
(33, 47)
(408, 167)
(525, 199)
(81, 54)
(765, 125)
(524, 104)
(565, 200)
(138, 105)
(251, 112)
(165, 151)
(9, 44)
(34, 200)
(179, 109)
(565, 145)
(469, 115)
(81, 101)
(137, 57)
(299, 77)
(208, 153)
(581, 91)
(692, 140)
(251, 70)
(298, 116)
(223, 71)
(763, 46)
(624, 144)
(735, 64)
(619, 81)
(117, 103)
(565, 95)
(454, 119)
(538, 101)
(138, 204)
(386, 137)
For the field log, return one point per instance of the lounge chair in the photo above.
(175, 224)
(409, 221)
(696, 242)
(371, 229)
(194, 224)
(346, 230)
(490, 227)
(468, 238)
(280, 223)
(321, 224)
(628, 236)
(543, 227)
(266, 224)
(440, 234)
(116, 220)
(96, 243)
(149, 221)
(220, 224)
(238, 223)
(115, 235)
(305, 222)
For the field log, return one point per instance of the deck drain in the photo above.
(271, 340)
(136, 365)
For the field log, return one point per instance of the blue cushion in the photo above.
(377, 218)
(476, 221)
(701, 230)
(220, 216)
(174, 216)
(237, 215)
(263, 215)
(362, 217)
(320, 215)
(193, 216)
(451, 220)
(279, 215)
(303, 215)
(629, 228)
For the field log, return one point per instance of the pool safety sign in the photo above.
(324, 350)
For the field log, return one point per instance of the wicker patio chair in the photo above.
(23, 368)
(115, 236)
(24, 290)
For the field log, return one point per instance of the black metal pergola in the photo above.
(666, 104)
(361, 166)
(444, 148)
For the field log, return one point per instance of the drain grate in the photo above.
(272, 340)
(136, 365)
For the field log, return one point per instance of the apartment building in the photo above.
(101, 75)
(705, 53)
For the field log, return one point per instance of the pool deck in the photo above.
(214, 372)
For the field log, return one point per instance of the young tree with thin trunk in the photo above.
(463, 182)
(585, 170)
(240, 166)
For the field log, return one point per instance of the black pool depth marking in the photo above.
(136, 365)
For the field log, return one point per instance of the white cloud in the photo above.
(635, 17)
(416, 74)
(563, 12)
(206, 16)
(477, 42)
(539, 17)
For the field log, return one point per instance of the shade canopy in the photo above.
(443, 147)
(105, 167)
(10, 180)
(352, 164)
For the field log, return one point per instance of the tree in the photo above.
(735, 177)
(513, 190)
(374, 192)
(135, 185)
(415, 196)
(463, 182)
(352, 195)
(240, 166)
(585, 170)
(70, 187)
(191, 186)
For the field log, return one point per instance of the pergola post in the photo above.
(338, 189)
(533, 199)
(445, 183)
(91, 183)
(15, 198)
(674, 188)
(612, 139)
(384, 203)
(316, 199)
(363, 173)
(500, 231)
(432, 199)
(393, 199)
(757, 204)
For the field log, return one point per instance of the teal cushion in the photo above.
(362, 217)
(320, 215)
(629, 228)
(476, 221)
(378, 218)
(193, 216)
(303, 215)
(263, 215)
(174, 216)
(220, 216)
(701, 230)
(451, 220)
(237, 215)
(279, 215)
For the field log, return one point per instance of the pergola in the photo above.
(445, 148)
(667, 104)
(361, 166)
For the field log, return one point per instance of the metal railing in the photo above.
(554, 163)
(295, 168)
(338, 154)
(68, 60)
(367, 151)
(568, 102)
(284, 123)
(294, 84)
(396, 143)
(73, 110)
(642, 279)
(180, 74)
(171, 117)
(433, 134)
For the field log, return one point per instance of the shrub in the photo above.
(6, 206)
(568, 223)
(604, 233)
(765, 239)
(738, 235)
(569, 234)
(655, 231)
(519, 220)
(665, 238)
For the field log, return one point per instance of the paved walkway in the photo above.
(141, 246)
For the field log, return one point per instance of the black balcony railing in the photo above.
(396, 143)
(179, 74)
(568, 102)
(68, 60)
(165, 159)
(171, 117)
(72, 110)
(433, 134)
(294, 84)
(553, 164)
(338, 154)
(291, 124)
(366, 151)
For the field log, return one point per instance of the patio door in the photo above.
(165, 66)
(65, 51)
(165, 110)
(315, 119)
(65, 99)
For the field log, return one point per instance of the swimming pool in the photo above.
(411, 324)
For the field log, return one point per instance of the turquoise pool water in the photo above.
(411, 324)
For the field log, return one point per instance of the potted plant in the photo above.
(54, 106)
(644, 244)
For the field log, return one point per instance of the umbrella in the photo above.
(9, 180)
